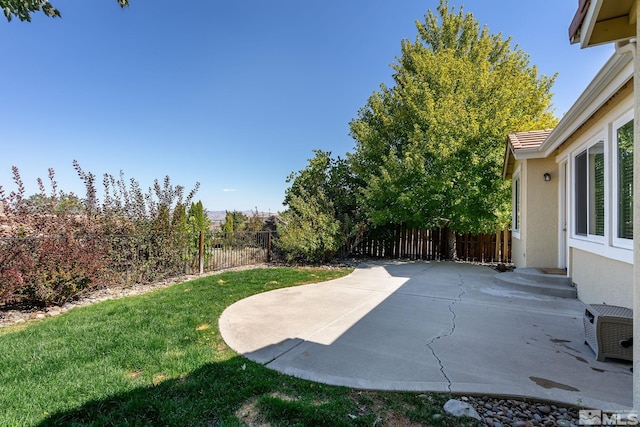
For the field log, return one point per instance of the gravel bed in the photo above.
(498, 412)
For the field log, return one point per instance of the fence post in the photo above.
(201, 253)
(269, 246)
(505, 243)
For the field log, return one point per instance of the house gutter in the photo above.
(528, 153)
(626, 47)
(614, 74)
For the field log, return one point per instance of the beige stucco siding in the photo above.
(601, 280)
(542, 214)
(537, 243)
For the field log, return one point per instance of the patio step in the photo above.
(537, 282)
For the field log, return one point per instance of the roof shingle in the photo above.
(531, 139)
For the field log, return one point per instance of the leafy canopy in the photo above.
(22, 9)
(321, 209)
(429, 149)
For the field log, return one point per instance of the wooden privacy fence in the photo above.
(412, 243)
(494, 247)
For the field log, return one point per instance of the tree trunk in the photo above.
(452, 245)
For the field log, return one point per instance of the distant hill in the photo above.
(216, 216)
(219, 216)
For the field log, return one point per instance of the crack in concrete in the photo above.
(449, 333)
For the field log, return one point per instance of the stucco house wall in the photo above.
(541, 214)
(601, 280)
(535, 244)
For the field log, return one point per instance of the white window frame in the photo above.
(516, 204)
(617, 241)
(596, 244)
(596, 139)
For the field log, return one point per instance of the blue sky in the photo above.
(234, 95)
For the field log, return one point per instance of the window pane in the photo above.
(625, 181)
(581, 193)
(596, 189)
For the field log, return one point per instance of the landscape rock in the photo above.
(498, 412)
(544, 409)
(458, 408)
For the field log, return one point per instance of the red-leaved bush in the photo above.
(55, 246)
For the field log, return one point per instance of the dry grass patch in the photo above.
(159, 379)
(371, 402)
(134, 375)
(250, 414)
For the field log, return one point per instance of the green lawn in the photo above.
(158, 359)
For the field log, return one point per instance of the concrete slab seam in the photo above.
(451, 331)
(338, 319)
(283, 353)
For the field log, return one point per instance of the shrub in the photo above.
(64, 268)
(15, 261)
(58, 246)
(310, 232)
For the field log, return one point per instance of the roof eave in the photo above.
(519, 154)
(593, 25)
(589, 18)
(506, 165)
(612, 76)
(529, 153)
(578, 20)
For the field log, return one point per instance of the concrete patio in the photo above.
(428, 326)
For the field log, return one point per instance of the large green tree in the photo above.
(22, 9)
(430, 147)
